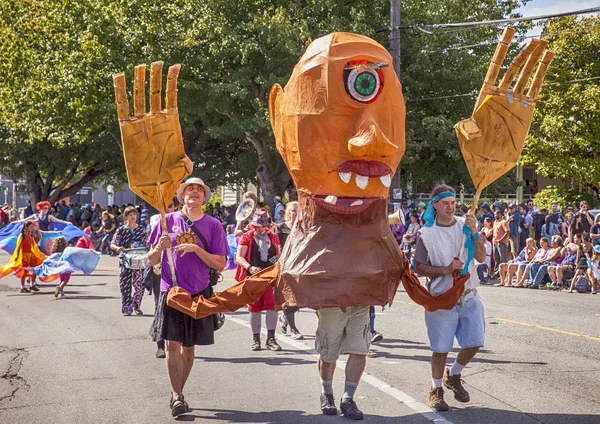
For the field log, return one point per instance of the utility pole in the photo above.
(395, 53)
(395, 34)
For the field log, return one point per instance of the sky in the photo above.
(547, 7)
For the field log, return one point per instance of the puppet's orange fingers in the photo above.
(155, 86)
(121, 97)
(171, 97)
(512, 70)
(540, 74)
(139, 90)
(496, 62)
(529, 67)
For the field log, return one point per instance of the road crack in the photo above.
(15, 381)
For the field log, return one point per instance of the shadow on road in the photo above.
(421, 358)
(275, 361)
(474, 415)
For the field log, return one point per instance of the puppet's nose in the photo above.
(369, 140)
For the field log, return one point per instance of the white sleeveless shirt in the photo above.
(443, 244)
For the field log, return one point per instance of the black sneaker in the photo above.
(350, 410)
(138, 311)
(34, 288)
(376, 336)
(273, 345)
(328, 405)
(256, 345)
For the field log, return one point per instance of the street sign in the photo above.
(2, 188)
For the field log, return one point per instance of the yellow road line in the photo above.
(556, 330)
(527, 324)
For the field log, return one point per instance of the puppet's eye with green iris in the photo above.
(363, 84)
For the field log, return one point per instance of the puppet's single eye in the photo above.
(363, 84)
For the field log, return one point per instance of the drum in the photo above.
(134, 258)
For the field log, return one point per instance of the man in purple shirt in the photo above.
(193, 258)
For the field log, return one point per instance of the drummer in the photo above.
(131, 235)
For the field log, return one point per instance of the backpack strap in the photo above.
(196, 231)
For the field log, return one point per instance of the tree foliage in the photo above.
(563, 142)
(58, 125)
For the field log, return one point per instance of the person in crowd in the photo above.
(513, 217)
(538, 271)
(555, 216)
(582, 221)
(531, 209)
(44, 217)
(278, 211)
(228, 218)
(244, 226)
(540, 255)
(508, 270)
(437, 255)
(409, 239)
(192, 261)
(525, 226)
(287, 318)
(565, 228)
(500, 240)
(421, 206)
(232, 242)
(485, 212)
(143, 210)
(483, 268)
(595, 231)
(538, 222)
(107, 230)
(594, 269)
(565, 269)
(59, 245)
(259, 248)
(26, 255)
(549, 229)
(130, 236)
(584, 251)
(398, 230)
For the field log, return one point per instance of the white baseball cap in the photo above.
(189, 181)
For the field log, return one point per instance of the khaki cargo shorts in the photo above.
(342, 332)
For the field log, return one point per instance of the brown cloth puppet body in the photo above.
(339, 126)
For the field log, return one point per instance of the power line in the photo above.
(475, 94)
(494, 22)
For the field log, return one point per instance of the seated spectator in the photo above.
(410, 237)
(584, 251)
(507, 270)
(538, 258)
(594, 270)
(565, 269)
(539, 270)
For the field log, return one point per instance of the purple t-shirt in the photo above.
(192, 274)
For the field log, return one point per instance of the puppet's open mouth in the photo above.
(344, 205)
(363, 171)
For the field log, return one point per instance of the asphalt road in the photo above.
(78, 360)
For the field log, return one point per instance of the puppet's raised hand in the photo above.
(152, 142)
(492, 139)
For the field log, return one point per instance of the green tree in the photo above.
(563, 142)
(58, 121)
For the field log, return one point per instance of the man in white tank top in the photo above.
(446, 244)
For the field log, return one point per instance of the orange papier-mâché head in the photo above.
(339, 122)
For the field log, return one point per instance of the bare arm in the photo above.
(436, 271)
(52, 218)
(240, 256)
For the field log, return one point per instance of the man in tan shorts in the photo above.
(342, 332)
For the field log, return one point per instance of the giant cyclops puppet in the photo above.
(339, 126)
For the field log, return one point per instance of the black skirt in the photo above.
(170, 324)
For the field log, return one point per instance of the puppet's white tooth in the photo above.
(345, 176)
(386, 180)
(361, 181)
(356, 203)
(331, 199)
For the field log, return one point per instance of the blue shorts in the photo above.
(466, 322)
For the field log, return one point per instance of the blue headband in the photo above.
(429, 215)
